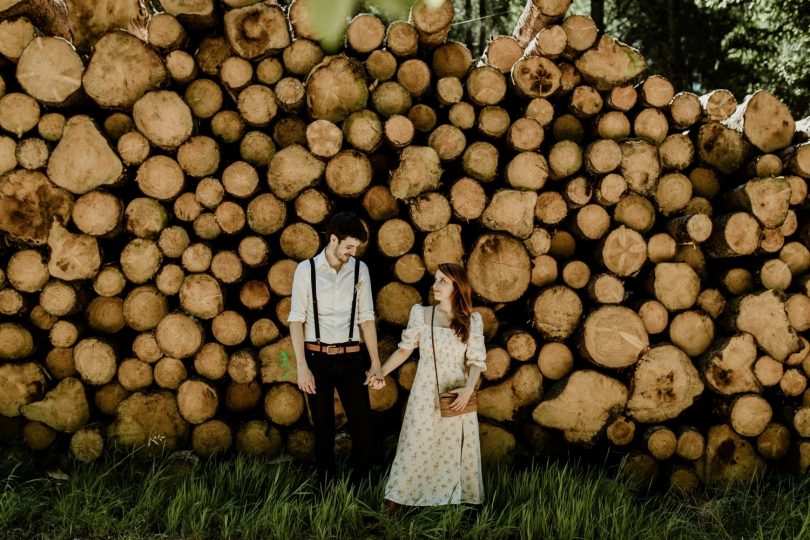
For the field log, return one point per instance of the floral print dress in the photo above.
(438, 459)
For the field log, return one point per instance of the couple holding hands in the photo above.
(438, 458)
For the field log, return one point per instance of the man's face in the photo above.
(346, 248)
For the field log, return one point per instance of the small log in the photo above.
(610, 64)
(493, 121)
(283, 404)
(685, 110)
(138, 70)
(721, 147)
(402, 39)
(430, 212)
(613, 336)
(727, 366)
(774, 442)
(500, 402)
(581, 405)
(380, 64)
(623, 251)
(535, 77)
(348, 174)
(454, 60)
(550, 42)
(749, 415)
(64, 408)
(557, 311)
(763, 316)
(380, 204)
(335, 89)
(363, 130)
(767, 199)
(418, 172)
(259, 439)
(536, 15)
(511, 211)
(394, 302)
(164, 31)
(733, 235)
(692, 331)
(718, 105)
(50, 70)
(640, 165)
(527, 170)
(621, 431)
(661, 442)
(395, 238)
(765, 121)
(499, 268)
(729, 458)
(691, 444)
(502, 52)
(409, 268)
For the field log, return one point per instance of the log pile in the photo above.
(639, 255)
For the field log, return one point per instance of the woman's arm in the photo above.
(396, 359)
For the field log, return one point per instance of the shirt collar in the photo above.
(320, 260)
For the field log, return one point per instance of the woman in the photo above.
(438, 459)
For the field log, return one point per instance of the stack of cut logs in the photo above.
(639, 255)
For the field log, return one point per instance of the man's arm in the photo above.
(306, 381)
(369, 329)
(296, 320)
(366, 320)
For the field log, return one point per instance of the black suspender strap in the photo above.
(354, 296)
(315, 300)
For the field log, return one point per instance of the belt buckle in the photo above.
(333, 349)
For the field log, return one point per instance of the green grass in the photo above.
(122, 497)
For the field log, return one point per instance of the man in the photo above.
(331, 303)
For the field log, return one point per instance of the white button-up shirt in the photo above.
(335, 290)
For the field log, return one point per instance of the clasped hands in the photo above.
(375, 379)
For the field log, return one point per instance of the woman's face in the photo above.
(442, 287)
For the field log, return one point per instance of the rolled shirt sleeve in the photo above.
(410, 336)
(300, 293)
(365, 301)
(476, 349)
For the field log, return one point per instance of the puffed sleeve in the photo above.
(476, 350)
(410, 336)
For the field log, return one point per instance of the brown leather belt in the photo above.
(332, 349)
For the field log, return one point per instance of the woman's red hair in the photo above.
(460, 299)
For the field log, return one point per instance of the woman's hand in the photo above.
(374, 379)
(462, 397)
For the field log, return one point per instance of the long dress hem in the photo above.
(438, 460)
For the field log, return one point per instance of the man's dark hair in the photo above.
(344, 225)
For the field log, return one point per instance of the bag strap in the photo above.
(354, 296)
(315, 299)
(433, 344)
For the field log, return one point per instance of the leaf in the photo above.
(330, 18)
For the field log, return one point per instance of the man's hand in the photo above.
(306, 381)
(375, 378)
(462, 397)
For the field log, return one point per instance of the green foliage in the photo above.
(701, 45)
(121, 497)
(740, 45)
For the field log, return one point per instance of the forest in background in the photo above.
(700, 45)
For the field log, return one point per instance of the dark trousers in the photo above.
(346, 373)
